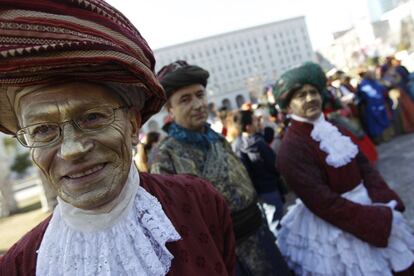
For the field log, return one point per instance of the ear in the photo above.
(168, 107)
(135, 121)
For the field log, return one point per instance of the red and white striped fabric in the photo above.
(46, 41)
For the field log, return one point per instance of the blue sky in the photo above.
(167, 22)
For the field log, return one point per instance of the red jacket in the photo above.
(319, 185)
(198, 213)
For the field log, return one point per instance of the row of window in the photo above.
(247, 66)
(230, 79)
(223, 62)
(288, 37)
(231, 62)
(291, 44)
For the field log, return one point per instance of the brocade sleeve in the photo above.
(163, 163)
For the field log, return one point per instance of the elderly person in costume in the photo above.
(347, 221)
(77, 82)
(193, 147)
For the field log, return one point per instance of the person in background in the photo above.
(388, 64)
(192, 147)
(268, 134)
(396, 78)
(346, 221)
(232, 130)
(371, 96)
(147, 150)
(340, 113)
(260, 162)
(219, 125)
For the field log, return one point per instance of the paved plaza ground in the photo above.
(396, 164)
(15, 226)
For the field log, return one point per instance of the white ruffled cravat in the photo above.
(127, 239)
(340, 148)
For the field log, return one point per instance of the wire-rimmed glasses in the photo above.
(48, 133)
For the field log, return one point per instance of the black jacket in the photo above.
(259, 160)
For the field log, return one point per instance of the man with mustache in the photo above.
(76, 83)
(347, 221)
(193, 147)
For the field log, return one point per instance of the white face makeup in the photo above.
(87, 169)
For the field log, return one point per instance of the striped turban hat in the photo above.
(46, 41)
(294, 79)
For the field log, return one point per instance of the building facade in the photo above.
(243, 62)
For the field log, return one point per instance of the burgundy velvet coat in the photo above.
(319, 185)
(198, 213)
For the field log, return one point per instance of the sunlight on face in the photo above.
(86, 169)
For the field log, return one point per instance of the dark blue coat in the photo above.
(259, 160)
(372, 94)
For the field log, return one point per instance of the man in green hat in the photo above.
(193, 147)
(346, 216)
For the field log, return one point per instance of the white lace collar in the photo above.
(132, 245)
(340, 148)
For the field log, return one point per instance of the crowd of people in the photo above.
(205, 198)
(369, 113)
(374, 106)
(354, 119)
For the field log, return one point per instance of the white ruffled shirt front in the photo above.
(340, 148)
(126, 239)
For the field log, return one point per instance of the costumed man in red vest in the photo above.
(347, 221)
(77, 82)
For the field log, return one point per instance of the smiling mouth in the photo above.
(86, 173)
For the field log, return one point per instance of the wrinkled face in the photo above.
(188, 106)
(306, 103)
(87, 169)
